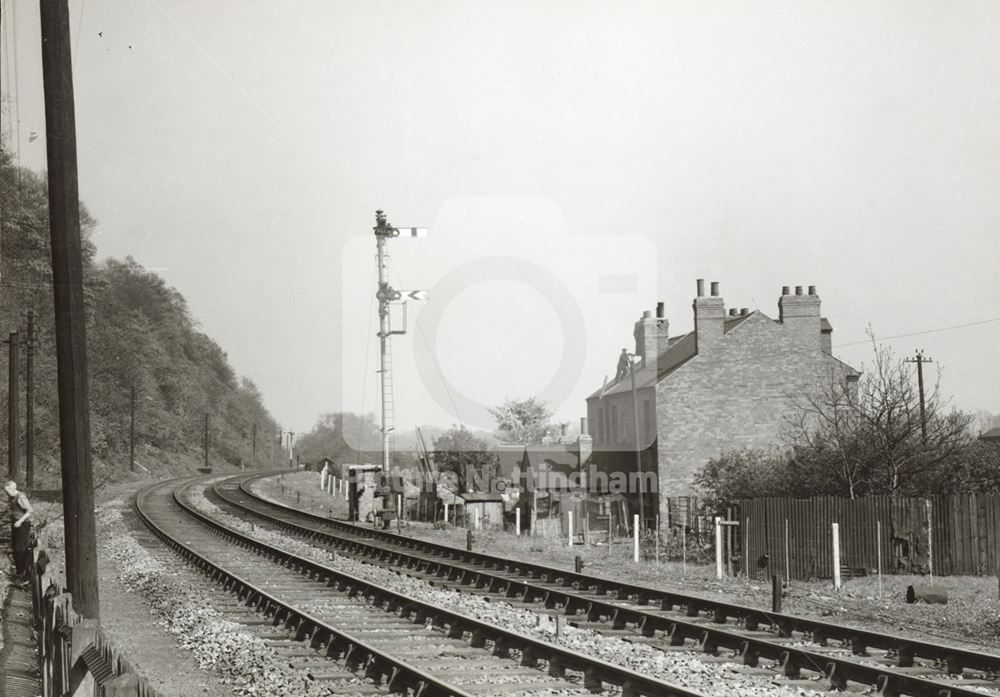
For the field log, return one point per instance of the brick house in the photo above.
(724, 385)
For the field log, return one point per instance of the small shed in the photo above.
(482, 508)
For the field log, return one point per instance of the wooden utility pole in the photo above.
(920, 359)
(70, 314)
(131, 430)
(253, 446)
(13, 409)
(206, 439)
(29, 404)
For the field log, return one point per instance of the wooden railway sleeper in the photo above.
(789, 666)
(750, 656)
(858, 646)
(884, 687)
(835, 674)
(646, 627)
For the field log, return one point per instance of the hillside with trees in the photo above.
(140, 334)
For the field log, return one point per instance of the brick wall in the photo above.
(737, 395)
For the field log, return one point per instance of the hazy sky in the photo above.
(574, 161)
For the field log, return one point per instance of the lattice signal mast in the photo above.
(387, 295)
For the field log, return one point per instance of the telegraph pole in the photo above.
(291, 449)
(29, 404)
(13, 408)
(70, 312)
(206, 439)
(253, 446)
(638, 450)
(131, 430)
(920, 359)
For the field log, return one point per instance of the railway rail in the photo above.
(387, 637)
(894, 665)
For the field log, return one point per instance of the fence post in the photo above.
(83, 636)
(878, 552)
(746, 547)
(635, 537)
(775, 593)
(836, 555)
(570, 521)
(788, 559)
(930, 541)
(718, 548)
(517, 519)
(124, 685)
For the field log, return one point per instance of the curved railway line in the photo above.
(359, 638)
(793, 646)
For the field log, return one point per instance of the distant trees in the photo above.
(342, 437)
(859, 439)
(465, 457)
(522, 420)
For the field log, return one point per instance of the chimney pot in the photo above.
(784, 290)
(798, 290)
(701, 287)
(562, 430)
(584, 431)
(732, 312)
(812, 290)
(744, 311)
(715, 289)
(659, 310)
(646, 314)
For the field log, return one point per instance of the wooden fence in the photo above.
(74, 656)
(793, 536)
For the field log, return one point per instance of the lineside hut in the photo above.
(484, 507)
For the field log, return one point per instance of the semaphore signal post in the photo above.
(387, 295)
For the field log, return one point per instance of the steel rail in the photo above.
(596, 673)
(355, 654)
(839, 671)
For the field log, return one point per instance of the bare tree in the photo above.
(868, 437)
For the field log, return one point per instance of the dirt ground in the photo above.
(971, 617)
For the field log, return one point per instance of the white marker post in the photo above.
(635, 537)
(788, 559)
(878, 548)
(446, 513)
(718, 548)
(930, 541)
(570, 514)
(322, 479)
(836, 555)
(399, 506)
(517, 520)
(477, 518)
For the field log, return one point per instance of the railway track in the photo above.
(343, 629)
(793, 646)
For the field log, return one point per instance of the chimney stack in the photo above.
(800, 315)
(585, 444)
(651, 335)
(709, 314)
